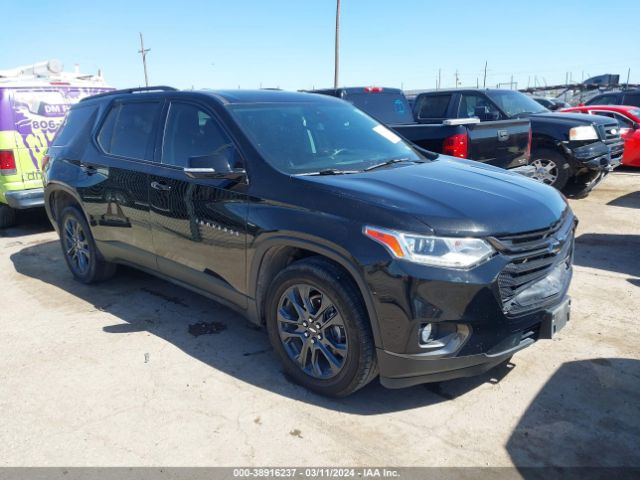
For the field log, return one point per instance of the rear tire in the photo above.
(79, 249)
(552, 168)
(319, 328)
(7, 216)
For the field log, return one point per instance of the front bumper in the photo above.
(23, 199)
(596, 156)
(402, 371)
(477, 318)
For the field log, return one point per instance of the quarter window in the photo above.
(192, 132)
(128, 130)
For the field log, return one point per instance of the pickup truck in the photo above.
(503, 143)
(572, 152)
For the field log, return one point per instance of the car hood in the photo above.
(454, 197)
(572, 119)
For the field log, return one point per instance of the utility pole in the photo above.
(337, 51)
(439, 78)
(628, 74)
(456, 78)
(143, 52)
(484, 83)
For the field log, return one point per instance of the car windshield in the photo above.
(515, 104)
(320, 138)
(635, 112)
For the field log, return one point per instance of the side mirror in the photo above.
(636, 125)
(216, 165)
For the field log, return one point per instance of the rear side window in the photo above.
(78, 122)
(433, 106)
(128, 130)
(385, 107)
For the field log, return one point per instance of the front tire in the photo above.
(79, 249)
(7, 216)
(551, 167)
(319, 328)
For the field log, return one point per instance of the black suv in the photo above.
(624, 97)
(362, 254)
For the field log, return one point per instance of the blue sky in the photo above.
(289, 43)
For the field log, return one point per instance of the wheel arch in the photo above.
(542, 141)
(277, 253)
(59, 196)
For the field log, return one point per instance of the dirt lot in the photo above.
(110, 375)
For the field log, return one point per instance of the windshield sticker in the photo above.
(386, 133)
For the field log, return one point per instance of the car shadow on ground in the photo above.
(586, 415)
(144, 303)
(28, 222)
(628, 200)
(615, 253)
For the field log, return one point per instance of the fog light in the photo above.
(425, 333)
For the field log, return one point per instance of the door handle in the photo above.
(163, 187)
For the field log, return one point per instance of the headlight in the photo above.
(447, 252)
(586, 132)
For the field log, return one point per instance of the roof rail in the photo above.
(159, 88)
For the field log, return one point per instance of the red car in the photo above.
(628, 118)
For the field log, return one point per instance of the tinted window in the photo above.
(386, 107)
(433, 106)
(299, 138)
(604, 100)
(632, 99)
(128, 129)
(77, 121)
(191, 132)
(470, 101)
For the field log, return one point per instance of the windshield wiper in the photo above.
(391, 162)
(330, 171)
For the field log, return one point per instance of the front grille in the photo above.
(610, 135)
(532, 256)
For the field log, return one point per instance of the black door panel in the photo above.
(199, 229)
(199, 226)
(115, 189)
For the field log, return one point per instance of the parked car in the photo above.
(503, 143)
(552, 104)
(33, 102)
(624, 97)
(569, 151)
(628, 119)
(362, 254)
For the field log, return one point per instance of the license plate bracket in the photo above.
(555, 319)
